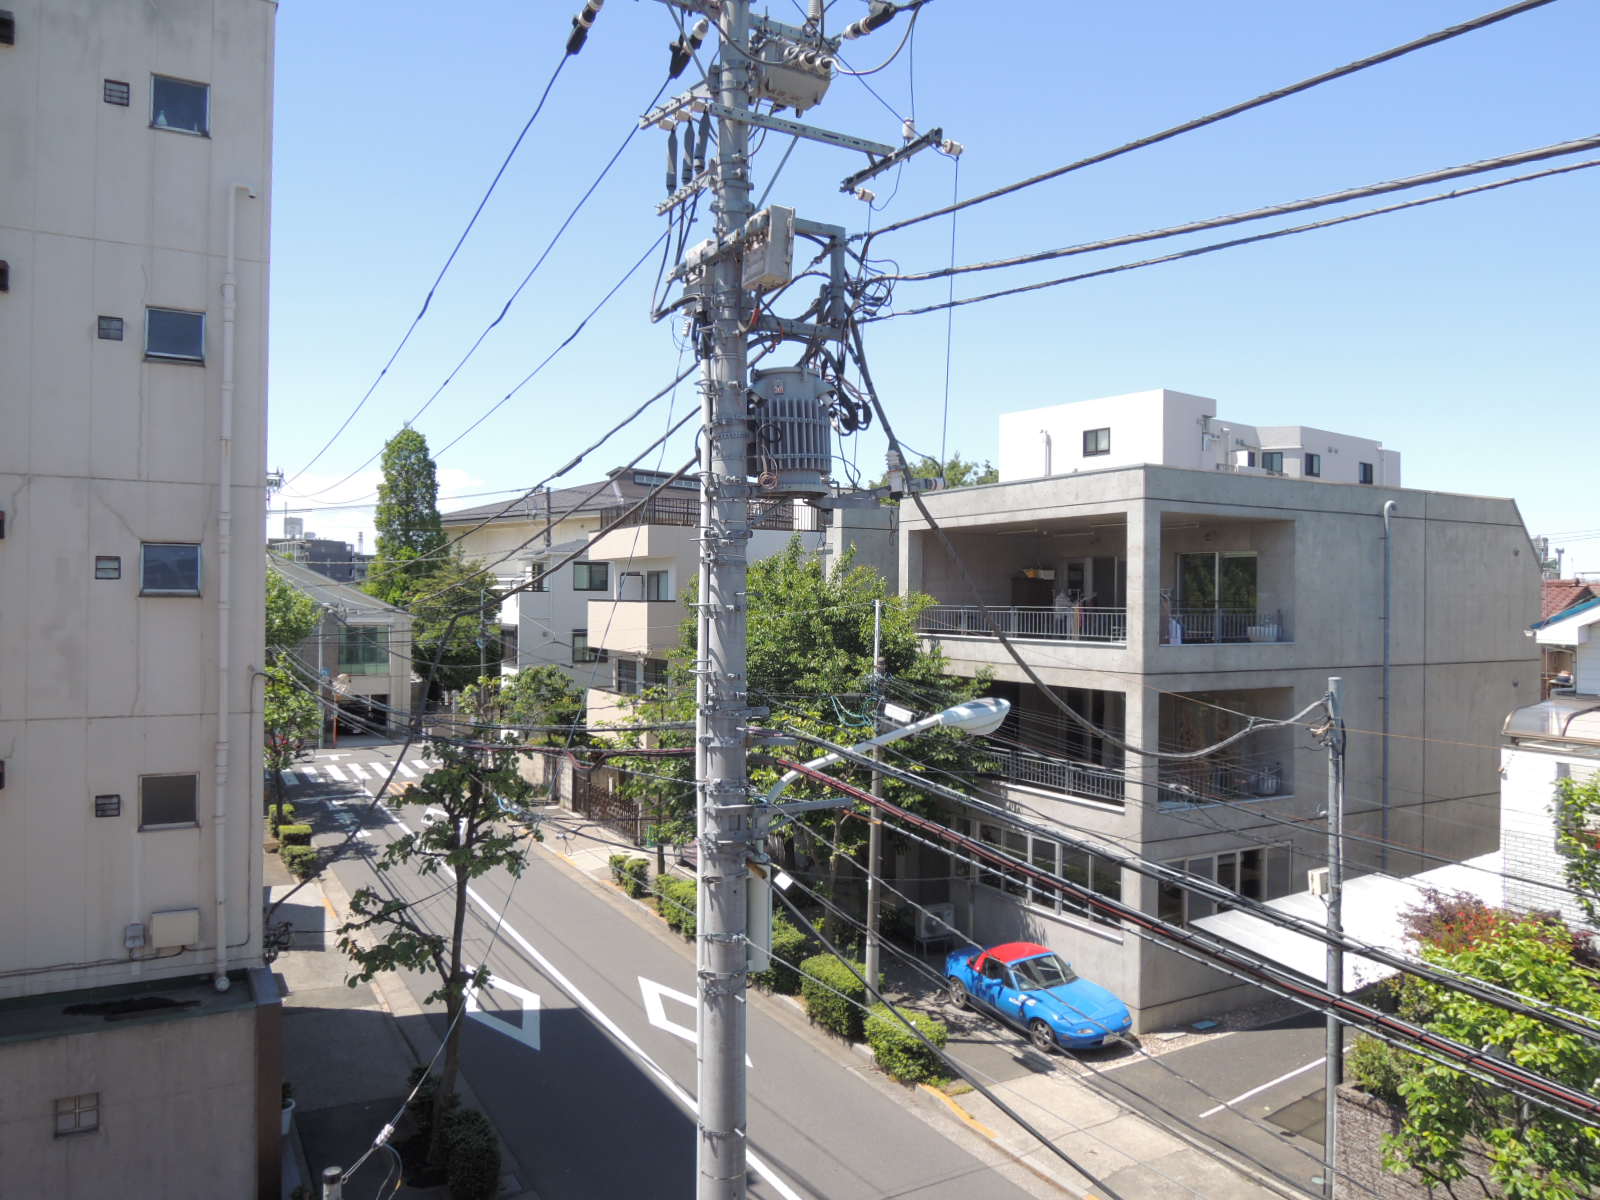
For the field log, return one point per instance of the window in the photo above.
(77, 1114)
(180, 105)
(1249, 458)
(108, 566)
(167, 800)
(8, 27)
(108, 806)
(172, 333)
(655, 586)
(1216, 595)
(655, 672)
(364, 650)
(1312, 465)
(1272, 461)
(538, 580)
(109, 329)
(1364, 473)
(591, 576)
(116, 92)
(582, 652)
(1256, 874)
(627, 676)
(1096, 441)
(169, 569)
(657, 478)
(1093, 871)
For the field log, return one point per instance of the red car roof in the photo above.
(1010, 952)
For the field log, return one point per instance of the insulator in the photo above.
(582, 23)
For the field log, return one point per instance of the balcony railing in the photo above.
(1055, 774)
(1224, 777)
(685, 511)
(1206, 626)
(1057, 624)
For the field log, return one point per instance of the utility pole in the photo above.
(874, 821)
(1334, 1071)
(727, 814)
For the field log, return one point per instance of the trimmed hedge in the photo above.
(788, 944)
(636, 877)
(834, 998)
(899, 1053)
(675, 900)
(471, 1155)
(301, 861)
(285, 812)
(420, 1106)
(294, 835)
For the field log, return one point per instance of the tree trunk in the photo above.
(455, 1001)
(833, 924)
(275, 813)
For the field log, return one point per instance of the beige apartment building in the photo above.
(138, 1029)
(1170, 605)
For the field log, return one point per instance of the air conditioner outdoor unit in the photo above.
(1317, 881)
(935, 921)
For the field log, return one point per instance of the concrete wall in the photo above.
(103, 450)
(1364, 1121)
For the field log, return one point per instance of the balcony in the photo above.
(1029, 768)
(1223, 777)
(685, 511)
(1209, 626)
(1258, 767)
(1073, 624)
(641, 627)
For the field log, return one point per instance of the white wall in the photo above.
(1528, 829)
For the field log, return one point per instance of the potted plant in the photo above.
(288, 1106)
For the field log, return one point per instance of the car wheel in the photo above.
(1042, 1036)
(956, 993)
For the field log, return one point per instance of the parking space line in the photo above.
(1211, 1112)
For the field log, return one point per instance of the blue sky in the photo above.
(1461, 334)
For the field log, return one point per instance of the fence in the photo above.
(685, 511)
(1210, 625)
(1056, 774)
(1075, 624)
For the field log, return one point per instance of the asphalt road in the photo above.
(584, 1057)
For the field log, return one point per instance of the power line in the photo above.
(1224, 113)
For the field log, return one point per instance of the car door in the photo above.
(990, 983)
(1009, 998)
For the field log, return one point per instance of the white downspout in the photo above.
(219, 815)
(1045, 434)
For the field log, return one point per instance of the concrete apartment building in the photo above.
(1169, 603)
(138, 1028)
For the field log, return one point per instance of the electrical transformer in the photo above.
(790, 435)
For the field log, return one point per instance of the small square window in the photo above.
(77, 1114)
(5, 276)
(109, 329)
(174, 333)
(167, 800)
(1313, 465)
(117, 92)
(8, 28)
(108, 806)
(1365, 472)
(169, 569)
(582, 652)
(591, 576)
(1096, 441)
(1272, 461)
(108, 566)
(179, 104)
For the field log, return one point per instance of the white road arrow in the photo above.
(528, 1032)
(655, 1010)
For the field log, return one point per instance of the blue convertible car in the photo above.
(1027, 985)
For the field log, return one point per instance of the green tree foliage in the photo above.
(543, 695)
(810, 662)
(957, 472)
(1578, 834)
(451, 607)
(291, 717)
(291, 615)
(468, 841)
(1534, 1154)
(410, 536)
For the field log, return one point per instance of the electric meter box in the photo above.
(790, 435)
(769, 255)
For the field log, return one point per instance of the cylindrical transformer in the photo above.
(790, 435)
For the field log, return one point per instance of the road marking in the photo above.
(528, 1032)
(1211, 1112)
(405, 770)
(308, 773)
(334, 772)
(962, 1113)
(656, 1012)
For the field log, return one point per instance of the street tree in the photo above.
(543, 695)
(291, 616)
(291, 717)
(410, 535)
(810, 662)
(453, 605)
(956, 472)
(465, 840)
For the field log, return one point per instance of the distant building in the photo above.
(139, 1029)
(1175, 429)
(1558, 596)
(339, 561)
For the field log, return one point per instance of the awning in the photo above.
(1374, 906)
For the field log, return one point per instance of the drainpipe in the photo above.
(1045, 434)
(1388, 591)
(219, 815)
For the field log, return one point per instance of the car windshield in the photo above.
(1046, 971)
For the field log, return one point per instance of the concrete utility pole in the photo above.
(727, 815)
(1335, 1040)
(875, 822)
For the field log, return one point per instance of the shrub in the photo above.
(615, 862)
(294, 835)
(636, 877)
(471, 1155)
(301, 861)
(1378, 1068)
(285, 812)
(675, 900)
(420, 1106)
(834, 998)
(900, 1053)
(788, 944)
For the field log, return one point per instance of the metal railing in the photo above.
(1223, 777)
(1055, 774)
(1206, 626)
(1076, 624)
(685, 511)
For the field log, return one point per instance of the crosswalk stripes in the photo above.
(407, 771)
(334, 772)
(353, 772)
